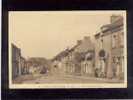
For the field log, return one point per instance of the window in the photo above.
(113, 41)
(121, 39)
(101, 43)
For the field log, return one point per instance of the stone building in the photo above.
(103, 53)
(117, 46)
(88, 64)
(108, 51)
(71, 61)
(84, 49)
(57, 68)
(16, 59)
(59, 65)
(78, 60)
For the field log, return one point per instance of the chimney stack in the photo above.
(86, 38)
(79, 42)
(115, 18)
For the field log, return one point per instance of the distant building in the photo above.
(38, 65)
(68, 61)
(109, 49)
(57, 68)
(16, 59)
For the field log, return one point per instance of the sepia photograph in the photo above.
(67, 49)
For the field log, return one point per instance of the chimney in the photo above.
(86, 38)
(79, 42)
(114, 18)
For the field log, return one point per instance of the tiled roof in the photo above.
(73, 48)
(61, 54)
(112, 26)
(14, 46)
(85, 46)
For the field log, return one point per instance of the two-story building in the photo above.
(72, 61)
(59, 65)
(16, 61)
(88, 63)
(109, 49)
(85, 56)
(117, 46)
(19, 66)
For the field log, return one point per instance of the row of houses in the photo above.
(19, 66)
(32, 65)
(102, 57)
(110, 47)
(76, 61)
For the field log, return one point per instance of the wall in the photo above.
(16, 68)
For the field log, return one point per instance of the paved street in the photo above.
(38, 79)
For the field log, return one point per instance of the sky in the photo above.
(46, 33)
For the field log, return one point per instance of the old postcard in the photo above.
(67, 49)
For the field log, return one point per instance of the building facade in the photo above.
(109, 49)
(79, 60)
(16, 61)
(118, 46)
(85, 57)
(103, 53)
(59, 65)
(104, 58)
(24, 67)
(88, 64)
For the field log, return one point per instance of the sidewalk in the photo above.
(22, 78)
(106, 80)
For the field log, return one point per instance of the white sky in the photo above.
(45, 34)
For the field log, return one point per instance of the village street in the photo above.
(42, 79)
(81, 63)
